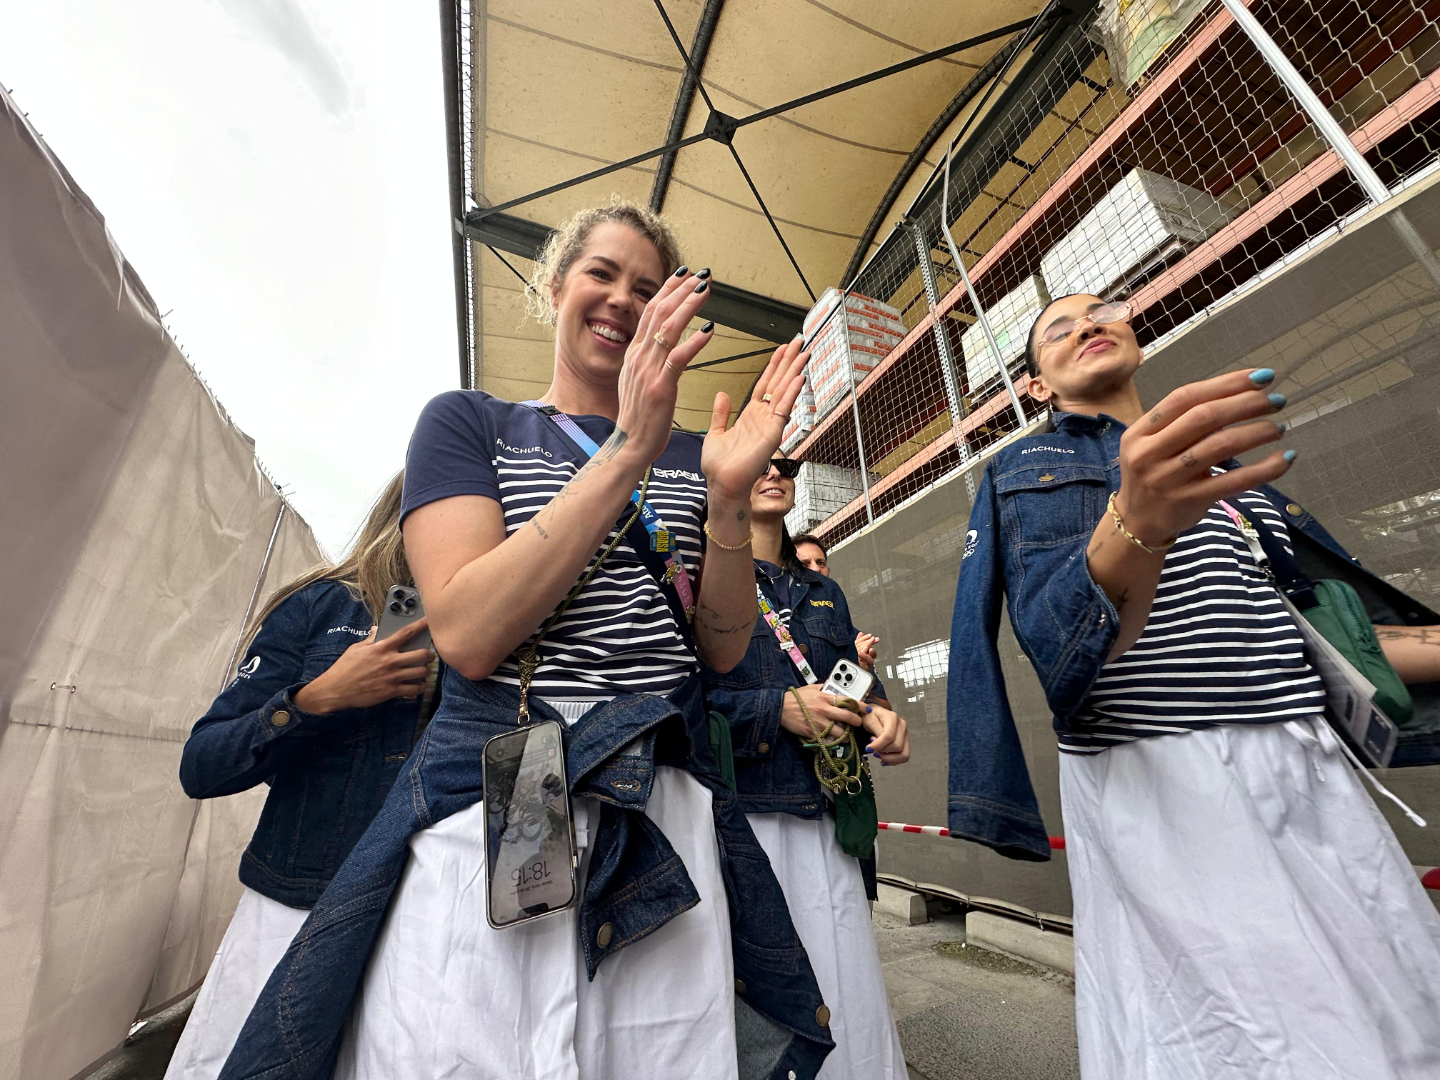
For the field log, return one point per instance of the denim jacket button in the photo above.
(1293, 509)
(604, 934)
(791, 1074)
(763, 748)
(279, 718)
(740, 987)
(804, 649)
(822, 1016)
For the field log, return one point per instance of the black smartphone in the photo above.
(529, 832)
(403, 607)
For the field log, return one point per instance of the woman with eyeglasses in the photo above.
(778, 719)
(1242, 909)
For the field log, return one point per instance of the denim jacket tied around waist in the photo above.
(328, 775)
(774, 774)
(636, 882)
(1038, 502)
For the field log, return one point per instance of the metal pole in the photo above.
(1331, 131)
(947, 359)
(254, 595)
(974, 299)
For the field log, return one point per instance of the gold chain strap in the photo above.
(832, 769)
(527, 658)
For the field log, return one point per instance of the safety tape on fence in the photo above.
(1429, 875)
(1057, 843)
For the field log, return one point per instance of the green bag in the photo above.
(722, 748)
(1343, 621)
(857, 821)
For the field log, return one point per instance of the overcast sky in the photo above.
(275, 171)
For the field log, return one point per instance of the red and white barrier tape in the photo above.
(1429, 875)
(1057, 843)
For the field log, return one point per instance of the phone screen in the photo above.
(528, 840)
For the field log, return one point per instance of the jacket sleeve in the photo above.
(242, 739)
(754, 717)
(991, 800)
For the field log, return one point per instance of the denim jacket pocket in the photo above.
(1051, 504)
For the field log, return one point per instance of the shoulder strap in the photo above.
(1293, 581)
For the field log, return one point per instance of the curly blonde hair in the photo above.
(566, 243)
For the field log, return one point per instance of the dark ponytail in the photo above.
(789, 557)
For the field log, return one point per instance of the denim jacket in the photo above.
(774, 774)
(635, 883)
(1038, 502)
(328, 775)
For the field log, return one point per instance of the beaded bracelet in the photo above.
(1120, 525)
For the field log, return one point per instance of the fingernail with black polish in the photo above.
(682, 271)
(1278, 400)
(1290, 455)
(707, 328)
(702, 286)
(1261, 376)
(704, 273)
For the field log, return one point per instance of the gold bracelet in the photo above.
(729, 547)
(1120, 525)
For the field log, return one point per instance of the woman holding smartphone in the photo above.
(775, 706)
(680, 926)
(326, 715)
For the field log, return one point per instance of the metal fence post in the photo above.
(1331, 131)
(855, 414)
(254, 595)
(942, 344)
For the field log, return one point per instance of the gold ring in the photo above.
(660, 340)
(765, 398)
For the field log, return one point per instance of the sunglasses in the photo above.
(789, 468)
(1103, 315)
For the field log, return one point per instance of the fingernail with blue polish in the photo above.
(1278, 400)
(1290, 455)
(682, 271)
(869, 709)
(1281, 427)
(1261, 376)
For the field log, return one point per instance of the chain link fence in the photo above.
(1157, 154)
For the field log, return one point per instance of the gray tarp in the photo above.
(134, 523)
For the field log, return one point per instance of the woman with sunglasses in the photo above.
(777, 714)
(1242, 909)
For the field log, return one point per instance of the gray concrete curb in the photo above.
(1020, 940)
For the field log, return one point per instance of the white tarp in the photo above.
(134, 523)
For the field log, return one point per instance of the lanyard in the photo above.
(782, 635)
(662, 540)
(1252, 539)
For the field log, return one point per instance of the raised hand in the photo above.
(1165, 457)
(865, 650)
(368, 673)
(650, 376)
(734, 457)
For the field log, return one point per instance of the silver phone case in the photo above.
(403, 607)
(849, 681)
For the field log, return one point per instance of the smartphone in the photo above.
(403, 607)
(530, 856)
(848, 680)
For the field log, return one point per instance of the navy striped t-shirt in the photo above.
(618, 636)
(1219, 647)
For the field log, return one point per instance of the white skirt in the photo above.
(447, 995)
(826, 896)
(1242, 910)
(259, 933)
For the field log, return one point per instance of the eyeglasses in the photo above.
(1103, 315)
(789, 468)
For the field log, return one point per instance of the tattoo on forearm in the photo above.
(1121, 600)
(706, 616)
(612, 447)
(606, 453)
(536, 526)
(1419, 635)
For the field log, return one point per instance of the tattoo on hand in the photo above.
(1155, 418)
(1188, 460)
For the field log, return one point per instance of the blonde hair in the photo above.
(375, 561)
(566, 243)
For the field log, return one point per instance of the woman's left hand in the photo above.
(891, 735)
(733, 458)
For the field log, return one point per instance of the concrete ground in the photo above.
(963, 1013)
(968, 1014)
